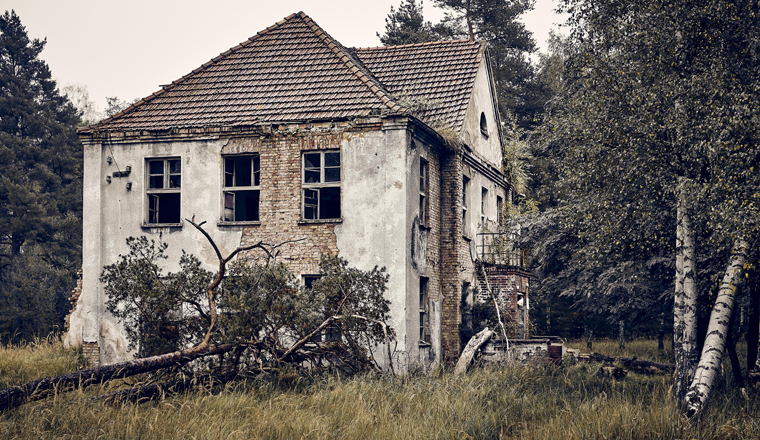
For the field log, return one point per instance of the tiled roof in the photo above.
(294, 71)
(439, 76)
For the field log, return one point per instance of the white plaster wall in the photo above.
(482, 101)
(112, 214)
(374, 228)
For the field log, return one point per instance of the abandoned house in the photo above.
(389, 156)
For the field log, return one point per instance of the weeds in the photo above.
(511, 402)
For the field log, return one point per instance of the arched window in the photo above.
(483, 124)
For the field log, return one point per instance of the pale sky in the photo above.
(129, 48)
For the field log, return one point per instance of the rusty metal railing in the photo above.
(496, 248)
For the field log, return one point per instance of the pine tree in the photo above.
(40, 187)
(408, 26)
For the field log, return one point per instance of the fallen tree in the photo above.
(255, 313)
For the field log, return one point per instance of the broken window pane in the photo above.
(163, 192)
(321, 182)
(241, 183)
(329, 203)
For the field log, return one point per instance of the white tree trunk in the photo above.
(717, 331)
(685, 303)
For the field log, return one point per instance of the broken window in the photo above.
(424, 193)
(242, 185)
(321, 185)
(500, 212)
(483, 198)
(465, 203)
(163, 190)
(424, 315)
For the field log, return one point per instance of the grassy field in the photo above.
(567, 402)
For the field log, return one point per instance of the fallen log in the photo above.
(471, 349)
(149, 392)
(42, 388)
(635, 364)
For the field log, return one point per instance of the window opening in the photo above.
(483, 125)
(500, 212)
(242, 186)
(163, 190)
(424, 193)
(424, 315)
(321, 185)
(465, 202)
(483, 199)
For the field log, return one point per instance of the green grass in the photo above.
(44, 357)
(641, 348)
(512, 402)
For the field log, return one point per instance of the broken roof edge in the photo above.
(190, 131)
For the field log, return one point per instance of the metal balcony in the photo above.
(495, 248)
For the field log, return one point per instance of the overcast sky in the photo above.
(129, 48)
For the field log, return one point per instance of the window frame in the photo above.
(319, 186)
(255, 158)
(424, 193)
(424, 324)
(465, 206)
(483, 199)
(152, 193)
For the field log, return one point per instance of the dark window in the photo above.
(483, 125)
(163, 190)
(321, 185)
(500, 212)
(465, 204)
(424, 193)
(242, 185)
(483, 199)
(424, 314)
(309, 280)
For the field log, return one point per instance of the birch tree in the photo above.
(656, 138)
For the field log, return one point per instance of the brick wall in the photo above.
(301, 243)
(91, 353)
(451, 237)
(506, 283)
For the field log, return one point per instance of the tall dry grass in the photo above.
(567, 402)
(43, 357)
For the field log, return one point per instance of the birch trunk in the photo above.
(685, 302)
(717, 332)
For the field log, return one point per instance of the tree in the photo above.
(40, 181)
(657, 145)
(251, 312)
(408, 26)
(79, 97)
(115, 105)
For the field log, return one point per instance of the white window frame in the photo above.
(169, 186)
(316, 187)
(228, 212)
